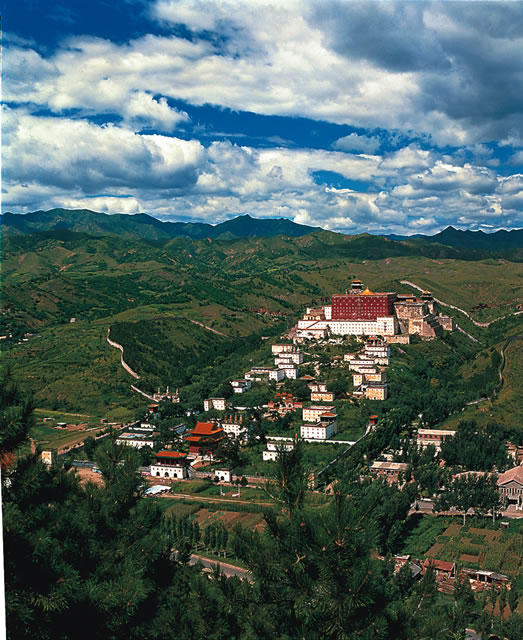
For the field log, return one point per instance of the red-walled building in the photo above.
(366, 305)
(204, 438)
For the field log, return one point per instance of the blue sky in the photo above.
(388, 117)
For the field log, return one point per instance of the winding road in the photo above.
(466, 313)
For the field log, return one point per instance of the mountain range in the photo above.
(451, 237)
(146, 227)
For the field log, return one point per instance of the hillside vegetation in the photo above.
(239, 287)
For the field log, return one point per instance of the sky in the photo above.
(380, 117)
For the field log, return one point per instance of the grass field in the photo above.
(506, 407)
(478, 544)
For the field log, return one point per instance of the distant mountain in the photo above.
(451, 237)
(147, 227)
(497, 241)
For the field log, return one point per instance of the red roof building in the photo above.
(441, 568)
(366, 305)
(170, 464)
(170, 457)
(204, 438)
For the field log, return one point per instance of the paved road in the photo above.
(228, 570)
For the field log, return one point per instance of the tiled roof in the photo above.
(170, 454)
(439, 564)
(205, 429)
(516, 473)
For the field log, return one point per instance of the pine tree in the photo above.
(513, 598)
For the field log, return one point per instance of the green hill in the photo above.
(240, 287)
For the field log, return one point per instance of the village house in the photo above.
(322, 396)
(314, 412)
(233, 426)
(510, 486)
(274, 446)
(441, 569)
(389, 470)
(240, 386)
(375, 390)
(137, 440)
(481, 580)
(204, 439)
(170, 464)
(218, 404)
(282, 348)
(322, 430)
(435, 437)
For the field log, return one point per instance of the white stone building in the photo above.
(137, 440)
(170, 464)
(276, 374)
(218, 404)
(240, 386)
(314, 412)
(274, 446)
(319, 430)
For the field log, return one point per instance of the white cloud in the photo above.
(75, 164)
(355, 142)
(419, 70)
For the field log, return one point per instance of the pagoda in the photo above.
(204, 438)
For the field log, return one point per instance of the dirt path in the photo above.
(208, 328)
(198, 498)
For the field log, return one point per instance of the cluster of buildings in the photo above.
(509, 483)
(363, 312)
(369, 376)
(287, 359)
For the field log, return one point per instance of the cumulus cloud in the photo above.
(355, 142)
(77, 154)
(434, 73)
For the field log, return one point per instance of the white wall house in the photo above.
(218, 404)
(318, 430)
(240, 386)
(236, 429)
(170, 464)
(276, 374)
(224, 474)
(136, 440)
(274, 447)
(282, 348)
(314, 412)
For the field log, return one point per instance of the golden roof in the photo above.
(367, 292)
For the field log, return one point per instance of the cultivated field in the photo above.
(478, 544)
